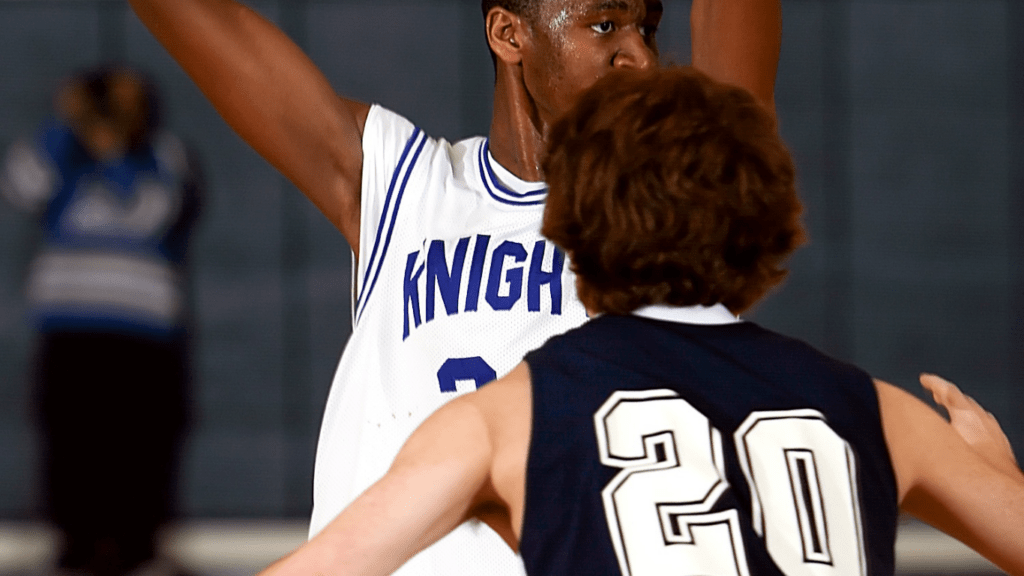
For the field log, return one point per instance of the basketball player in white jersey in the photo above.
(454, 282)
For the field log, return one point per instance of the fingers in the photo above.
(948, 394)
(943, 391)
(950, 397)
(977, 426)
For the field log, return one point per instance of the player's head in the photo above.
(112, 109)
(558, 48)
(667, 187)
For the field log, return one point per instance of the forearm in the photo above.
(225, 47)
(271, 94)
(430, 489)
(738, 42)
(369, 538)
(979, 506)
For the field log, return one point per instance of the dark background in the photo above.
(904, 117)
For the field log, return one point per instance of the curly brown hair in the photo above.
(667, 187)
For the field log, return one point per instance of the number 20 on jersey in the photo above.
(660, 505)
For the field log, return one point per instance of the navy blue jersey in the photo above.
(664, 447)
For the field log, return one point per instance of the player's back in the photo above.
(687, 443)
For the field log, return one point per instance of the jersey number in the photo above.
(659, 506)
(455, 370)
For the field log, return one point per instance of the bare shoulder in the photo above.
(512, 387)
(894, 398)
(507, 408)
(506, 405)
(914, 433)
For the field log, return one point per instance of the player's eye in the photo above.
(648, 30)
(603, 27)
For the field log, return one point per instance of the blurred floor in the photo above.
(243, 547)
(202, 547)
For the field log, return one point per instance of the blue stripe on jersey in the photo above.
(384, 212)
(503, 194)
(417, 135)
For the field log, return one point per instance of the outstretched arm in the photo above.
(738, 42)
(272, 95)
(429, 490)
(466, 460)
(950, 485)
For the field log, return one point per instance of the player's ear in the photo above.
(505, 34)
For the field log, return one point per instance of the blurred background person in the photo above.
(116, 200)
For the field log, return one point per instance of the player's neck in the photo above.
(517, 134)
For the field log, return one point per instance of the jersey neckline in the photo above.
(504, 186)
(704, 315)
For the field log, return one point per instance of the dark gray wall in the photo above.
(903, 115)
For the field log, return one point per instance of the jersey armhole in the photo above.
(388, 156)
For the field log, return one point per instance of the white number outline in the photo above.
(740, 438)
(697, 513)
(799, 460)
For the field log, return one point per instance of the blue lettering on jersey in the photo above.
(411, 292)
(504, 284)
(513, 276)
(476, 272)
(446, 280)
(538, 277)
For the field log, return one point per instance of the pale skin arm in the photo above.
(467, 460)
(978, 427)
(738, 42)
(949, 484)
(272, 95)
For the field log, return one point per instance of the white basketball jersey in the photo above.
(453, 285)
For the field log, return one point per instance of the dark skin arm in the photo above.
(738, 42)
(272, 95)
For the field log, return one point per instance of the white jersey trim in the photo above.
(705, 315)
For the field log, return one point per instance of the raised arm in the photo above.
(950, 485)
(272, 95)
(738, 42)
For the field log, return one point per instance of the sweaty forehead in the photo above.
(589, 7)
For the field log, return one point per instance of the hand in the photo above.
(978, 427)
